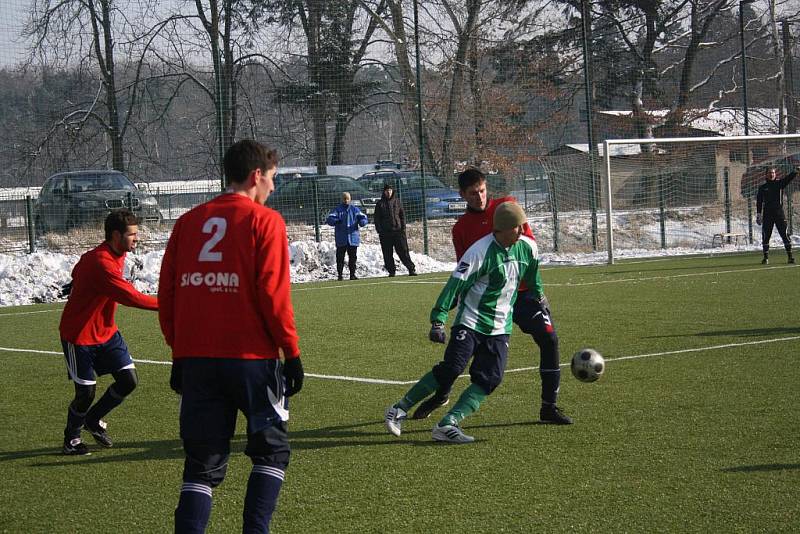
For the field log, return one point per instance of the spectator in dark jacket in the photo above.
(390, 223)
(345, 219)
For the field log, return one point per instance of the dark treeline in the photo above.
(335, 82)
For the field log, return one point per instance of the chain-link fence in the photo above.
(369, 90)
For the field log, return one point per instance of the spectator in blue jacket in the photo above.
(345, 220)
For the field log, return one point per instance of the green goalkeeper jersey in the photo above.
(485, 282)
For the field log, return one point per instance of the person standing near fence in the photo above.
(90, 338)
(227, 314)
(770, 199)
(390, 223)
(531, 309)
(346, 219)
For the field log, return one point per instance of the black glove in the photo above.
(176, 376)
(437, 334)
(758, 219)
(66, 289)
(293, 374)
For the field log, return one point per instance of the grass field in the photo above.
(693, 428)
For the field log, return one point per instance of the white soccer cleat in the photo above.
(393, 419)
(450, 434)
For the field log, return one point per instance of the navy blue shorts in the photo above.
(216, 389)
(86, 362)
(533, 316)
(489, 362)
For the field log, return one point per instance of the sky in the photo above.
(12, 18)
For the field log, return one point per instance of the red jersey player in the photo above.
(531, 311)
(226, 313)
(92, 343)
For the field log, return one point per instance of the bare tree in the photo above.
(54, 26)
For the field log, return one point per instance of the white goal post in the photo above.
(687, 194)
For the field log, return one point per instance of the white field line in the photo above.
(438, 280)
(366, 284)
(517, 370)
(668, 277)
(30, 312)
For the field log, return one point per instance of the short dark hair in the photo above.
(470, 177)
(245, 156)
(119, 220)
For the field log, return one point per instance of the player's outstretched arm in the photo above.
(115, 287)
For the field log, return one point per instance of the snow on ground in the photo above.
(38, 277)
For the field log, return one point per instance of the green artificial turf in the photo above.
(698, 433)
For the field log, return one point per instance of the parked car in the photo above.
(79, 198)
(756, 174)
(441, 201)
(294, 198)
(284, 176)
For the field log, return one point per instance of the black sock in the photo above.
(107, 402)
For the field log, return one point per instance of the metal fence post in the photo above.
(726, 182)
(662, 210)
(315, 207)
(554, 204)
(29, 223)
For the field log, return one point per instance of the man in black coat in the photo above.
(390, 223)
(770, 197)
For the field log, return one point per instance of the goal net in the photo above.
(675, 195)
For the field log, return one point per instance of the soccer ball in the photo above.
(587, 365)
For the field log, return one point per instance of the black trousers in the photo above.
(351, 259)
(391, 241)
(774, 217)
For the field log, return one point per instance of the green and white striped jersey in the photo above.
(485, 282)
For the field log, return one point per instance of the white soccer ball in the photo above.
(587, 365)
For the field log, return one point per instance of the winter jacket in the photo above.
(389, 215)
(345, 220)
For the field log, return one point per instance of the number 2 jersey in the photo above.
(224, 285)
(485, 282)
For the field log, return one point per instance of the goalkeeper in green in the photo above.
(484, 284)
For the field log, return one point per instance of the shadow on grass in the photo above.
(745, 332)
(760, 468)
(364, 433)
(171, 449)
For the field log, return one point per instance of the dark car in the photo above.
(295, 198)
(441, 201)
(79, 198)
(756, 174)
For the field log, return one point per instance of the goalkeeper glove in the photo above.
(437, 334)
(758, 219)
(176, 376)
(293, 375)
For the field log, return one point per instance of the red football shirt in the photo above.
(473, 225)
(97, 287)
(224, 285)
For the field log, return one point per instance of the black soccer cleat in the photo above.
(791, 259)
(765, 261)
(98, 432)
(429, 405)
(550, 414)
(75, 447)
